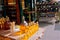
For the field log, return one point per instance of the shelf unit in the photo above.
(46, 9)
(12, 10)
(1, 8)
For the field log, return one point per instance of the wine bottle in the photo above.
(7, 23)
(56, 9)
(40, 3)
(37, 3)
(51, 10)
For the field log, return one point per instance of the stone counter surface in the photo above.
(7, 34)
(52, 32)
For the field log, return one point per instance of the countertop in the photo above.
(7, 33)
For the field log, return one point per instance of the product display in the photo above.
(44, 7)
(33, 28)
(25, 32)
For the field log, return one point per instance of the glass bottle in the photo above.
(2, 21)
(0, 25)
(7, 23)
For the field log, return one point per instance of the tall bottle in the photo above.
(2, 22)
(7, 23)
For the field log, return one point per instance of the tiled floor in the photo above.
(40, 32)
(57, 27)
(52, 32)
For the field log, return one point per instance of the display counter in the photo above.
(19, 35)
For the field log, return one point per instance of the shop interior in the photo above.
(21, 19)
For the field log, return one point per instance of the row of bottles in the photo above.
(46, 15)
(53, 9)
(11, 10)
(46, 3)
(12, 13)
(4, 23)
(47, 7)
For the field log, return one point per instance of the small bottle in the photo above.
(40, 3)
(12, 26)
(37, 2)
(24, 22)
